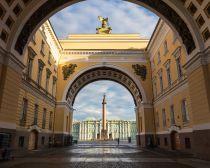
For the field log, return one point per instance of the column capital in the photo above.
(61, 104)
(199, 59)
(11, 61)
(146, 104)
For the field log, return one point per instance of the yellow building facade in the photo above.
(165, 83)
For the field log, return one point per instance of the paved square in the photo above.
(103, 155)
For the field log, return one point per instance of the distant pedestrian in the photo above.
(118, 141)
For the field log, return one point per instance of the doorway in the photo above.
(33, 140)
(175, 141)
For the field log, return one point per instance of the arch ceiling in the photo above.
(51, 6)
(103, 73)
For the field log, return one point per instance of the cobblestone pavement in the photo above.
(103, 155)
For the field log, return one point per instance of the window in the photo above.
(165, 141)
(36, 109)
(177, 56)
(155, 87)
(34, 39)
(21, 141)
(48, 73)
(158, 58)
(31, 55)
(187, 143)
(43, 139)
(172, 115)
(42, 48)
(157, 119)
(23, 113)
(29, 67)
(161, 82)
(185, 115)
(179, 67)
(54, 85)
(164, 117)
(50, 120)
(168, 72)
(165, 47)
(44, 118)
(40, 70)
(49, 58)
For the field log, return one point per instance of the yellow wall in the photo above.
(62, 84)
(178, 90)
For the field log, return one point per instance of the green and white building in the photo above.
(91, 129)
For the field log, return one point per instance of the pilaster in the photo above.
(198, 72)
(62, 126)
(10, 80)
(146, 124)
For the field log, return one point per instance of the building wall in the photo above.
(172, 94)
(38, 94)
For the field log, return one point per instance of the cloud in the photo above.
(124, 17)
(120, 104)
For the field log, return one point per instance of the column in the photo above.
(198, 74)
(146, 127)
(62, 110)
(10, 82)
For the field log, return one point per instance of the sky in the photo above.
(120, 103)
(124, 17)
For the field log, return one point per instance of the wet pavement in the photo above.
(103, 155)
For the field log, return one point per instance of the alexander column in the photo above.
(104, 131)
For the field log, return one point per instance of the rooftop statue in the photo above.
(104, 29)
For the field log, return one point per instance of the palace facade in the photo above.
(91, 130)
(170, 88)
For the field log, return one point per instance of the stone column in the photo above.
(198, 75)
(62, 110)
(146, 124)
(138, 142)
(10, 82)
(104, 130)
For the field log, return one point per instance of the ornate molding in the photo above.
(158, 5)
(140, 70)
(104, 73)
(68, 70)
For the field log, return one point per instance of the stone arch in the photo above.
(102, 73)
(167, 10)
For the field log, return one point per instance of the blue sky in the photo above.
(124, 17)
(120, 104)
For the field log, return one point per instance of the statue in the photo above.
(104, 29)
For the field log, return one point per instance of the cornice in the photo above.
(199, 59)
(11, 61)
(36, 92)
(65, 105)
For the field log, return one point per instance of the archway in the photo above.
(172, 12)
(103, 73)
(119, 112)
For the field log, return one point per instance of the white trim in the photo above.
(205, 126)
(64, 104)
(7, 125)
(137, 82)
(181, 86)
(61, 132)
(147, 133)
(184, 130)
